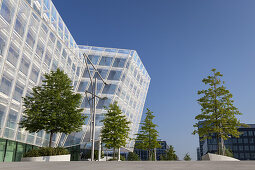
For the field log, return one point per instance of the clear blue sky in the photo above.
(179, 42)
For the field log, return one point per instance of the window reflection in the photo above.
(106, 61)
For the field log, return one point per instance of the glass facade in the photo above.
(144, 154)
(12, 151)
(34, 40)
(243, 147)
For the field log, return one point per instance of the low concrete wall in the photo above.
(214, 157)
(47, 158)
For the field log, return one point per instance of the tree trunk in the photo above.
(155, 154)
(218, 143)
(222, 146)
(113, 153)
(51, 135)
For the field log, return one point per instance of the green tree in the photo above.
(170, 154)
(148, 135)
(133, 157)
(53, 107)
(187, 157)
(218, 114)
(116, 128)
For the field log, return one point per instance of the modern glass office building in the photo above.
(243, 148)
(34, 40)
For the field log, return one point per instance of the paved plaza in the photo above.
(142, 165)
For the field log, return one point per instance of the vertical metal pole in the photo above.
(99, 149)
(94, 123)
(118, 154)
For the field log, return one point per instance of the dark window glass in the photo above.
(7, 10)
(2, 114)
(24, 65)
(30, 39)
(40, 49)
(82, 86)
(109, 89)
(18, 92)
(240, 148)
(6, 84)
(94, 59)
(34, 74)
(119, 62)
(13, 55)
(106, 61)
(114, 75)
(20, 25)
(102, 72)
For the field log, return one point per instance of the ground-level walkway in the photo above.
(141, 165)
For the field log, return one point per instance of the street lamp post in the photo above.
(93, 103)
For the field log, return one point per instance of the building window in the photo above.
(114, 75)
(18, 92)
(251, 140)
(47, 59)
(34, 74)
(6, 84)
(106, 61)
(234, 148)
(234, 140)
(13, 55)
(2, 114)
(103, 102)
(94, 59)
(20, 25)
(24, 65)
(7, 10)
(246, 148)
(247, 156)
(241, 155)
(2, 43)
(54, 65)
(86, 72)
(252, 147)
(12, 118)
(52, 37)
(240, 140)
(240, 148)
(30, 39)
(250, 133)
(119, 62)
(82, 86)
(109, 89)
(102, 72)
(40, 49)
(244, 133)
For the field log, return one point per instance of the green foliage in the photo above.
(148, 135)
(116, 128)
(122, 158)
(170, 154)
(229, 153)
(218, 112)
(53, 107)
(46, 151)
(88, 154)
(187, 157)
(133, 157)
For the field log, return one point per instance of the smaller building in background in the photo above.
(243, 148)
(144, 155)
